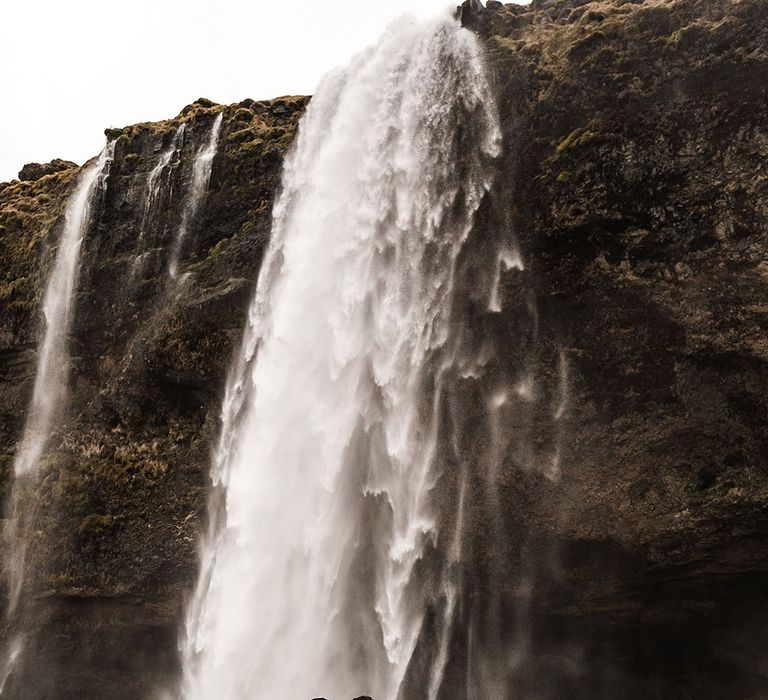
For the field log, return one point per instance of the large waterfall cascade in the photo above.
(50, 385)
(331, 565)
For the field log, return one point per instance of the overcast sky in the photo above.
(71, 68)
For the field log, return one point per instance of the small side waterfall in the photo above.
(51, 375)
(159, 183)
(328, 547)
(168, 159)
(49, 391)
(201, 175)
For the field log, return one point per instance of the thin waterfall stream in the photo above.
(201, 175)
(49, 390)
(47, 409)
(328, 551)
(51, 373)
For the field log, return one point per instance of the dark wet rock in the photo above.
(471, 14)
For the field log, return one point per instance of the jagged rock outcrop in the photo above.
(34, 171)
(635, 176)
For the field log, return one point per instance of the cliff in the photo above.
(633, 179)
(125, 484)
(636, 153)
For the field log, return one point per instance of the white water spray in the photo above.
(201, 176)
(311, 581)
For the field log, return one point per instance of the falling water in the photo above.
(314, 578)
(51, 376)
(201, 175)
(49, 388)
(168, 159)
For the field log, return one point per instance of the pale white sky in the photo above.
(71, 68)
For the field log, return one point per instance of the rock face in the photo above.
(635, 177)
(124, 491)
(34, 171)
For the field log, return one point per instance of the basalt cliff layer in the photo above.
(634, 178)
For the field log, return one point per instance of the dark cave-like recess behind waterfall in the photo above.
(624, 241)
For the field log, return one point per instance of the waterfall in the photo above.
(49, 388)
(327, 545)
(170, 155)
(160, 177)
(167, 161)
(51, 375)
(201, 175)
